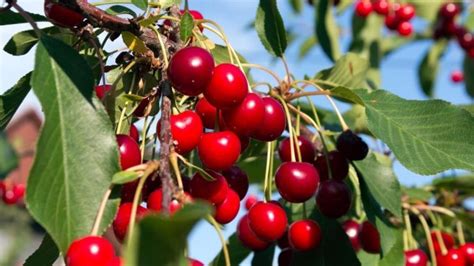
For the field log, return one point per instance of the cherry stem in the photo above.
(26, 16)
(460, 232)
(297, 146)
(437, 209)
(174, 164)
(260, 67)
(426, 229)
(100, 212)
(144, 131)
(287, 68)
(266, 181)
(305, 117)
(164, 51)
(442, 246)
(305, 94)
(222, 239)
(290, 128)
(197, 168)
(298, 121)
(408, 227)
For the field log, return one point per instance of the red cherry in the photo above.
(448, 241)
(392, 22)
(465, 39)
(304, 235)
(334, 198)
(338, 163)
(250, 201)
(296, 182)
(285, 257)
(449, 10)
(186, 129)
(141, 109)
(19, 190)
(247, 237)
(190, 70)
(129, 189)
(468, 250)
(193, 262)
(267, 220)
(306, 149)
(214, 191)
(227, 88)
(457, 76)
(130, 154)
(405, 28)
(454, 257)
(274, 121)
(155, 201)
(369, 238)
(207, 112)
(134, 133)
(89, 250)
(363, 8)
(416, 257)
(102, 90)
(219, 150)
(9, 197)
(3, 188)
(405, 12)
(197, 16)
(61, 15)
(237, 180)
(227, 210)
(116, 261)
(247, 117)
(381, 7)
(352, 229)
(120, 224)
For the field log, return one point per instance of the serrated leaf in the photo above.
(134, 43)
(123, 177)
(46, 254)
(186, 26)
(77, 144)
(270, 28)
(120, 10)
(238, 252)
(327, 30)
(12, 99)
(167, 3)
(428, 68)
(142, 4)
(468, 68)
(9, 159)
(9, 17)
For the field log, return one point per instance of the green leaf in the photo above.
(120, 10)
(142, 4)
(382, 183)
(134, 43)
(12, 99)
(77, 144)
(168, 3)
(417, 194)
(270, 28)
(123, 177)
(22, 42)
(162, 239)
(368, 259)
(469, 21)
(264, 257)
(468, 67)
(238, 252)
(396, 254)
(46, 254)
(347, 94)
(327, 31)
(9, 17)
(428, 68)
(9, 160)
(186, 26)
(306, 46)
(464, 182)
(427, 9)
(297, 5)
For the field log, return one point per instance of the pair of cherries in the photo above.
(12, 195)
(365, 236)
(464, 255)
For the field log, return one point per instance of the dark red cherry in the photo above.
(352, 229)
(61, 15)
(454, 257)
(129, 189)
(363, 8)
(392, 21)
(227, 210)
(334, 198)
(352, 146)
(142, 108)
(245, 118)
(296, 182)
(448, 241)
(247, 237)
(369, 238)
(274, 121)
(457, 76)
(134, 133)
(405, 28)
(449, 10)
(237, 180)
(285, 257)
(186, 130)
(214, 191)
(468, 250)
(244, 143)
(381, 7)
(250, 201)
(89, 250)
(304, 235)
(267, 220)
(284, 242)
(416, 257)
(190, 70)
(306, 149)
(101, 91)
(227, 88)
(130, 154)
(338, 163)
(122, 220)
(465, 39)
(207, 112)
(405, 12)
(219, 150)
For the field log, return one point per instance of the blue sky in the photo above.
(398, 73)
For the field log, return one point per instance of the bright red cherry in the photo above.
(134, 133)
(416, 257)
(122, 220)
(19, 190)
(193, 262)
(101, 90)
(448, 241)
(306, 149)
(274, 121)
(130, 154)
(285, 257)
(190, 70)
(207, 112)
(227, 88)
(89, 250)
(247, 237)
(405, 28)
(247, 117)
(186, 129)
(405, 12)
(338, 163)
(237, 180)
(449, 10)
(352, 229)
(267, 220)
(381, 7)
(116, 261)
(9, 197)
(392, 21)
(369, 238)
(227, 210)
(304, 235)
(219, 150)
(296, 182)
(454, 257)
(468, 250)
(363, 8)
(155, 201)
(334, 198)
(197, 16)
(214, 191)
(61, 15)
(250, 201)
(457, 76)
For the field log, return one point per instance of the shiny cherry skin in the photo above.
(449, 10)
(116, 261)
(61, 15)
(454, 257)
(227, 210)
(237, 180)
(194, 262)
(468, 250)
(306, 149)
(405, 12)
(465, 39)
(190, 70)
(247, 117)
(392, 21)
(155, 200)
(296, 182)
(337, 162)
(285, 257)
(369, 238)
(405, 28)
(250, 201)
(457, 76)
(268, 220)
(381, 7)
(186, 129)
(214, 191)
(334, 198)
(89, 250)
(448, 241)
(352, 146)
(219, 150)
(228, 87)
(101, 91)
(304, 235)
(352, 229)
(274, 121)
(363, 8)
(120, 224)
(207, 112)
(416, 257)
(19, 190)
(134, 133)
(130, 154)
(247, 237)
(9, 197)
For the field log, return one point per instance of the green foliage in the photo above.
(186, 26)
(9, 17)
(11, 100)
(264, 257)
(9, 160)
(46, 254)
(297, 5)
(306, 46)
(349, 71)
(238, 252)
(327, 31)
(427, 10)
(428, 68)
(463, 182)
(22, 42)
(120, 10)
(123, 177)
(168, 3)
(142, 4)
(468, 67)
(270, 28)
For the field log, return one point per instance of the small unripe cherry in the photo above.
(101, 90)
(219, 150)
(227, 210)
(214, 191)
(122, 220)
(274, 121)
(237, 180)
(296, 182)
(267, 220)
(250, 201)
(306, 149)
(207, 112)
(129, 150)
(337, 162)
(227, 87)
(247, 237)
(245, 118)
(369, 238)
(89, 250)
(352, 146)
(363, 8)
(304, 235)
(334, 198)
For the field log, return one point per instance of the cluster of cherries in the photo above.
(450, 255)
(11, 194)
(397, 16)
